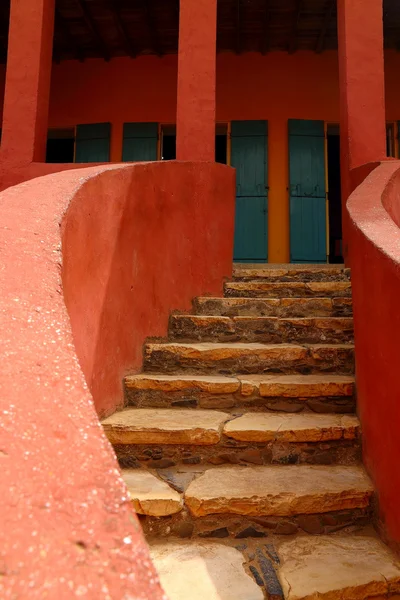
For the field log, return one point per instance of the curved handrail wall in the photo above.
(375, 262)
(81, 240)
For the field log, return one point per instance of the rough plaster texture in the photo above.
(67, 526)
(375, 259)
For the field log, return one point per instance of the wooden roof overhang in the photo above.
(109, 28)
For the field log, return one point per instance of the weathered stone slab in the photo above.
(282, 491)
(308, 427)
(311, 330)
(337, 568)
(239, 357)
(237, 306)
(174, 383)
(200, 327)
(292, 273)
(274, 307)
(262, 289)
(164, 426)
(307, 386)
(203, 571)
(151, 496)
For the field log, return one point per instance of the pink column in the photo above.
(27, 91)
(362, 89)
(196, 80)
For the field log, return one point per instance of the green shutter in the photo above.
(140, 142)
(307, 191)
(249, 145)
(93, 143)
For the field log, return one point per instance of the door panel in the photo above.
(250, 229)
(140, 142)
(93, 143)
(249, 157)
(307, 191)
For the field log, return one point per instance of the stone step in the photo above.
(345, 567)
(268, 427)
(231, 358)
(288, 393)
(161, 438)
(203, 570)
(274, 307)
(341, 567)
(278, 490)
(297, 289)
(164, 426)
(150, 495)
(269, 330)
(292, 273)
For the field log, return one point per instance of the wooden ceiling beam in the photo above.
(265, 44)
(329, 9)
(122, 30)
(61, 24)
(293, 41)
(91, 25)
(151, 28)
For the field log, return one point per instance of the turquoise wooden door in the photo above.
(92, 143)
(140, 142)
(249, 157)
(307, 191)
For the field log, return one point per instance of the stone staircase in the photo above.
(240, 445)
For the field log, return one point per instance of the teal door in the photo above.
(140, 142)
(249, 157)
(93, 143)
(307, 191)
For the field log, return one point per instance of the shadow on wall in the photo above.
(374, 210)
(135, 242)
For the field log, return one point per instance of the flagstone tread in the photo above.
(203, 571)
(278, 490)
(305, 386)
(309, 427)
(287, 289)
(340, 567)
(269, 386)
(286, 273)
(250, 357)
(262, 329)
(165, 426)
(151, 496)
(214, 384)
(274, 307)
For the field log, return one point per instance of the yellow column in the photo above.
(278, 197)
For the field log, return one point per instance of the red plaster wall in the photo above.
(66, 527)
(132, 257)
(375, 260)
(249, 86)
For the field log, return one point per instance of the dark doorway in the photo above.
(221, 143)
(168, 143)
(60, 146)
(334, 196)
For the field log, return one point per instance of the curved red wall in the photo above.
(138, 243)
(66, 524)
(375, 261)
